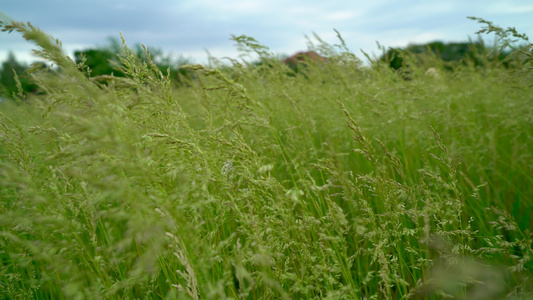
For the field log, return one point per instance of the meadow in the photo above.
(344, 181)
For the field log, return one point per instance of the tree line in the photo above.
(95, 62)
(104, 61)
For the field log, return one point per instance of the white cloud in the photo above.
(190, 26)
(509, 8)
(228, 8)
(340, 15)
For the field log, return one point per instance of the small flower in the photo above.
(227, 169)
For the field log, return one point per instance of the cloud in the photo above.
(190, 26)
(340, 15)
(507, 8)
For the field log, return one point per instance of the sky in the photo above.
(190, 28)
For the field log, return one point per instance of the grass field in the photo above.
(344, 182)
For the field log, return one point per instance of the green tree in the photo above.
(8, 84)
(475, 53)
(106, 61)
(99, 61)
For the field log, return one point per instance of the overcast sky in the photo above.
(190, 27)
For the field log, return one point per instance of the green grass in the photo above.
(346, 182)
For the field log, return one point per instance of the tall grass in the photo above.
(345, 182)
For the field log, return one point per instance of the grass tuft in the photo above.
(339, 182)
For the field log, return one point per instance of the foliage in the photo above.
(98, 62)
(13, 77)
(104, 61)
(345, 183)
(450, 55)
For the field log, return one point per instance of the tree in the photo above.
(8, 84)
(99, 61)
(475, 53)
(105, 61)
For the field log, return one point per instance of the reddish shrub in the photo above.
(302, 57)
(300, 60)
